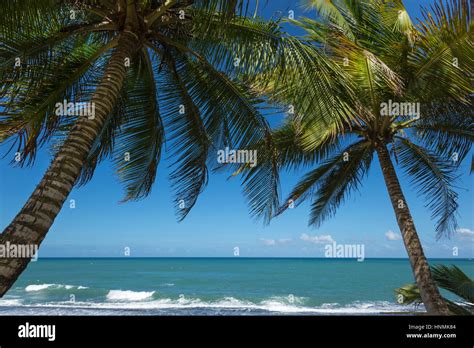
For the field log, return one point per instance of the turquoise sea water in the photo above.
(211, 286)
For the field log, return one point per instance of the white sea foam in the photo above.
(10, 302)
(131, 300)
(128, 295)
(120, 300)
(40, 287)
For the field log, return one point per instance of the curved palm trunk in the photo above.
(429, 292)
(32, 223)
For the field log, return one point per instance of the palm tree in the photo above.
(452, 279)
(390, 63)
(147, 68)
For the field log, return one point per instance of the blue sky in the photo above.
(100, 226)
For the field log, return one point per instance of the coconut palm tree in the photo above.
(142, 69)
(394, 67)
(450, 278)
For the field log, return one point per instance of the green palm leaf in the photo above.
(139, 139)
(30, 113)
(451, 279)
(330, 183)
(444, 56)
(434, 177)
(447, 129)
(188, 135)
(455, 280)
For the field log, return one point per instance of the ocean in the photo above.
(212, 286)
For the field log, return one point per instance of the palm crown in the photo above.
(180, 85)
(389, 62)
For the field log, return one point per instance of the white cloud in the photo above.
(465, 233)
(273, 242)
(268, 242)
(392, 235)
(317, 239)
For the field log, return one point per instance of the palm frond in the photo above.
(395, 16)
(444, 56)
(455, 280)
(434, 177)
(330, 183)
(334, 11)
(447, 129)
(328, 89)
(300, 143)
(261, 182)
(243, 46)
(240, 108)
(410, 294)
(30, 114)
(292, 146)
(139, 140)
(187, 134)
(452, 279)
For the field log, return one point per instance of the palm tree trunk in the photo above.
(34, 220)
(429, 292)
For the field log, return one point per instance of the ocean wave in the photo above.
(40, 287)
(128, 295)
(10, 302)
(120, 300)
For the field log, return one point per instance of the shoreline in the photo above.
(234, 307)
